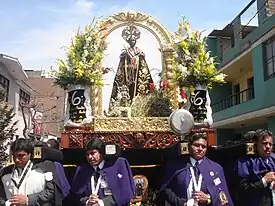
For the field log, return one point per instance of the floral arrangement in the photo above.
(192, 63)
(155, 104)
(160, 105)
(83, 58)
(182, 97)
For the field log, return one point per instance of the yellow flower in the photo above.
(79, 73)
(220, 78)
(184, 44)
(192, 90)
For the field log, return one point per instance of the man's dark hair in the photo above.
(262, 133)
(53, 144)
(22, 144)
(40, 144)
(95, 144)
(257, 135)
(250, 136)
(197, 136)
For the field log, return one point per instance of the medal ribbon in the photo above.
(22, 177)
(197, 185)
(95, 189)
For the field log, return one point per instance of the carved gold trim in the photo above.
(144, 166)
(134, 124)
(130, 16)
(140, 19)
(171, 90)
(96, 100)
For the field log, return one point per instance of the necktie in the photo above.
(96, 175)
(196, 170)
(197, 174)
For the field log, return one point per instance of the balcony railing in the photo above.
(235, 99)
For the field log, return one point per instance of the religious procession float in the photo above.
(146, 119)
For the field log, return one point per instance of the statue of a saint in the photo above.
(139, 189)
(133, 71)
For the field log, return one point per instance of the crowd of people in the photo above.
(32, 181)
(189, 180)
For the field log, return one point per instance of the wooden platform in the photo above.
(145, 132)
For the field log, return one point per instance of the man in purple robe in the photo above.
(194, 179)
(102, 181)
(65, 186)
(257, 172)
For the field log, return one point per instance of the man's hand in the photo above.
(269, 177)
(18, 200)
(200, 196)
(93, 200)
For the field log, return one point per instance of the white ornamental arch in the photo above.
(142, 20)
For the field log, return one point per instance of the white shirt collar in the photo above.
(193, 161)
(101, 165)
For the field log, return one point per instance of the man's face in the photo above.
(198, 149)
(94, 157)
(20, 158)
(264, 146)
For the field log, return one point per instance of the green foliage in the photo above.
(154, 104)
(7, 126)
(192, 63)
(140, 106)
(83, 58)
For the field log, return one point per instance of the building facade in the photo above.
(13, 80)
(50, 100)
(247, 55)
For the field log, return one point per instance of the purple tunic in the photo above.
(177, 178)
(117, 174)
(253, 168)
(65, 186)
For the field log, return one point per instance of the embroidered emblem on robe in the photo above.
(223, 198)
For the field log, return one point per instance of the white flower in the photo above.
(211, 60)
(182, 69)
(196, 71)
(220, 77)
(176, 39)
(48, 176)
(207, 54)
(85, 53)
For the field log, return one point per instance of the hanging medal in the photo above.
(197, 185)
(95, 189)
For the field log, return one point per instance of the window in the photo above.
(250, 88)
(269, 58)
(236, 94)
(5, 83)
(24, 97)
